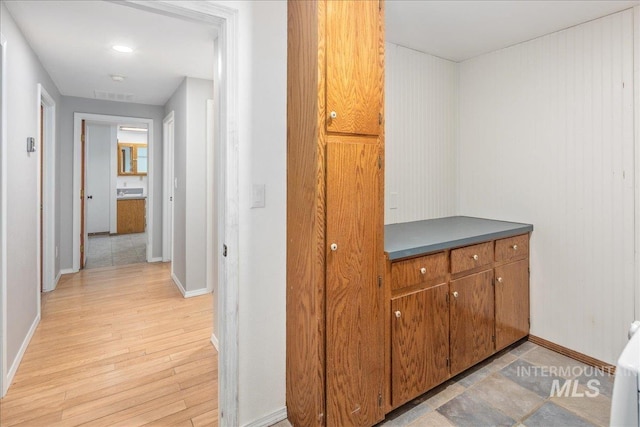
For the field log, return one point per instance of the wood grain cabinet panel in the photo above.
(355, 328)
(512, 248)
(471, 319)
(420, 342)
(335, 175)
(425, 269)
(131, 216)
(512, 302)
(354, 67)
(471, 257)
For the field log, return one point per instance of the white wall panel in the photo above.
(421, 123)
(546, 137)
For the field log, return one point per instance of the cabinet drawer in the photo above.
(512, 248)
(471, 257)
(418, 270)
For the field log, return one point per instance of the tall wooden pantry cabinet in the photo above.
(335, 241)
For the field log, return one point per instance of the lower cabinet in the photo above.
(472, 320)
(512, 302)
(420, 342)
(131, 216)
(452, 309)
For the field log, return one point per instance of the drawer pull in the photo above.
(500, 280)
(333, 114)
(475, 257)
(515, 247)
(334, 247)
(455, 294)
(398, 314)
(423, 270)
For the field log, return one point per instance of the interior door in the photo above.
(83, 205)
(354, 304)
(98, 148)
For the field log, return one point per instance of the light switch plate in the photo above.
(393, 200)
(257, 196)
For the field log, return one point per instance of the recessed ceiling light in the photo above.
(132, 129)
(117, 78)
(123, 49)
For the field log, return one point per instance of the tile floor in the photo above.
(105, 250)
(513, 388)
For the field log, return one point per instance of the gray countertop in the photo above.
(433, 235)
(131, 197)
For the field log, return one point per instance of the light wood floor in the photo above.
(118, 346)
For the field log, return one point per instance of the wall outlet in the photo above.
(393, 201)
(257, 196)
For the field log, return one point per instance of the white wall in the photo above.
(24, 72)
(178, 104)
(421, 107)
(546, 137)
(64, 168)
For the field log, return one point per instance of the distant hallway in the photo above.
(118, 346)
(104, 250)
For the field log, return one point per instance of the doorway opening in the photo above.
(100, 128)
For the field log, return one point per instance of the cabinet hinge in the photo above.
(529, 321)
(447, 295)
(380, 118)
(493, 281)
(82, 193)
(379, 162)
(81, 249)
(380, 7)
(448, 362)
(380, 399)
(493, 338)
(379, 281)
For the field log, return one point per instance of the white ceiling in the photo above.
(459, 30)
(73, 40)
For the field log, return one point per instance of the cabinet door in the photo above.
(419, 342)
(354, 53)
(472, 321)
(512, 302)
(354, 297)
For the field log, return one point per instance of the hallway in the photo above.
(118, 346)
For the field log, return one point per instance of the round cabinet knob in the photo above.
(500, 280)
(397, 313)
(475, 257)
(423, 270)
(515, 247)
(333, 114)
(334, 246)
(455, 294)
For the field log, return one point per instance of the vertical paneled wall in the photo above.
(421, 124)
(546, 137)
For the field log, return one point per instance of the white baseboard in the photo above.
(156, 259)
(214, 341)
(196, 293)
(67, 271)
(178, 284)
(23, 349)
(55, 282)
(269, 420)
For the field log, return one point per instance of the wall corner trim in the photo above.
(214, 341)
(178, 284)
(23, 349)
(196, 292)
(270, 419)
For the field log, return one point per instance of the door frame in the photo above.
(47, 192)
(77, 172)
(225, 19)
(3, 216)
(168, 139)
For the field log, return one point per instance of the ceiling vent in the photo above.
(113, 96)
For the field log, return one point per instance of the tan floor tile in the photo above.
(448, 393)
(507, 396)
(564, 366)
(594, 409)
(432, 419)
